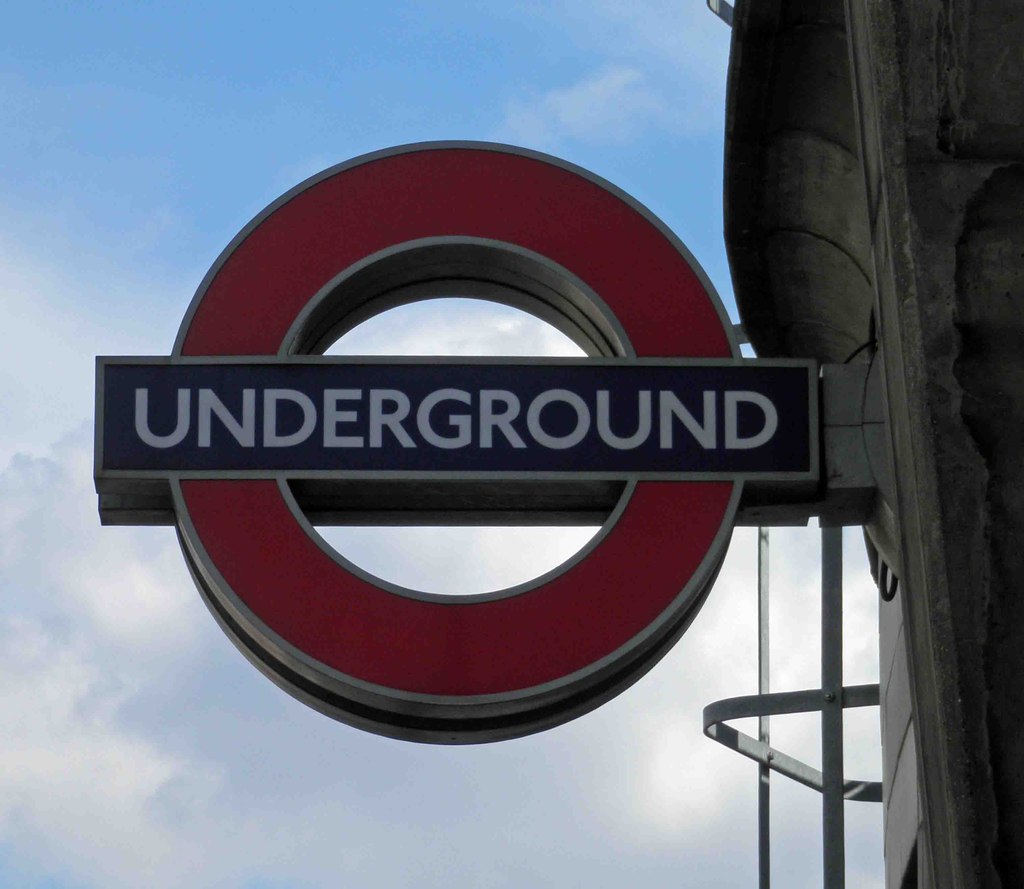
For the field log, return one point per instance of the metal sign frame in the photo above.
(830, 700)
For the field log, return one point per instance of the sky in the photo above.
(137, 746)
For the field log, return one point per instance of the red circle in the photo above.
(456, 648)
(271, 275)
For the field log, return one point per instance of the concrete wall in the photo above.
(922, 103)
(940, 89)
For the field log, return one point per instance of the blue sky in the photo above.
(137, 747)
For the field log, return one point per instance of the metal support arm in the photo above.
(776, 704)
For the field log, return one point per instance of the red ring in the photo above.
(456, 648)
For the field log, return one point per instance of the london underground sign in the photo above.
(246, 433)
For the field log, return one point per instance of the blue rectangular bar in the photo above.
(672, 419)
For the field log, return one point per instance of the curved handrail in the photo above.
(779, 703)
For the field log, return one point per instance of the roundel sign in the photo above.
(247, 435)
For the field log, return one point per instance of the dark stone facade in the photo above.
(875, 191)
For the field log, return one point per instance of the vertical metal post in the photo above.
(833, 838)
(764, 860)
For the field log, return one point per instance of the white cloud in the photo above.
(455, 326)
(75, 788)
(674, 786)
(47, 372)
(458, 561)
(685, 37)
(663, 67)
(128, 585)
(610, 106)
(666, 786)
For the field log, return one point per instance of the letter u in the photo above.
(180, 426)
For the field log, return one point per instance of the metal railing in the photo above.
(831, 699)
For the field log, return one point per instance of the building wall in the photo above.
(875, 184)
(940, 96)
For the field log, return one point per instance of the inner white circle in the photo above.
(457, 560)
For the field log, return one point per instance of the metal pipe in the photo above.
(763, 687)
(833, 833)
